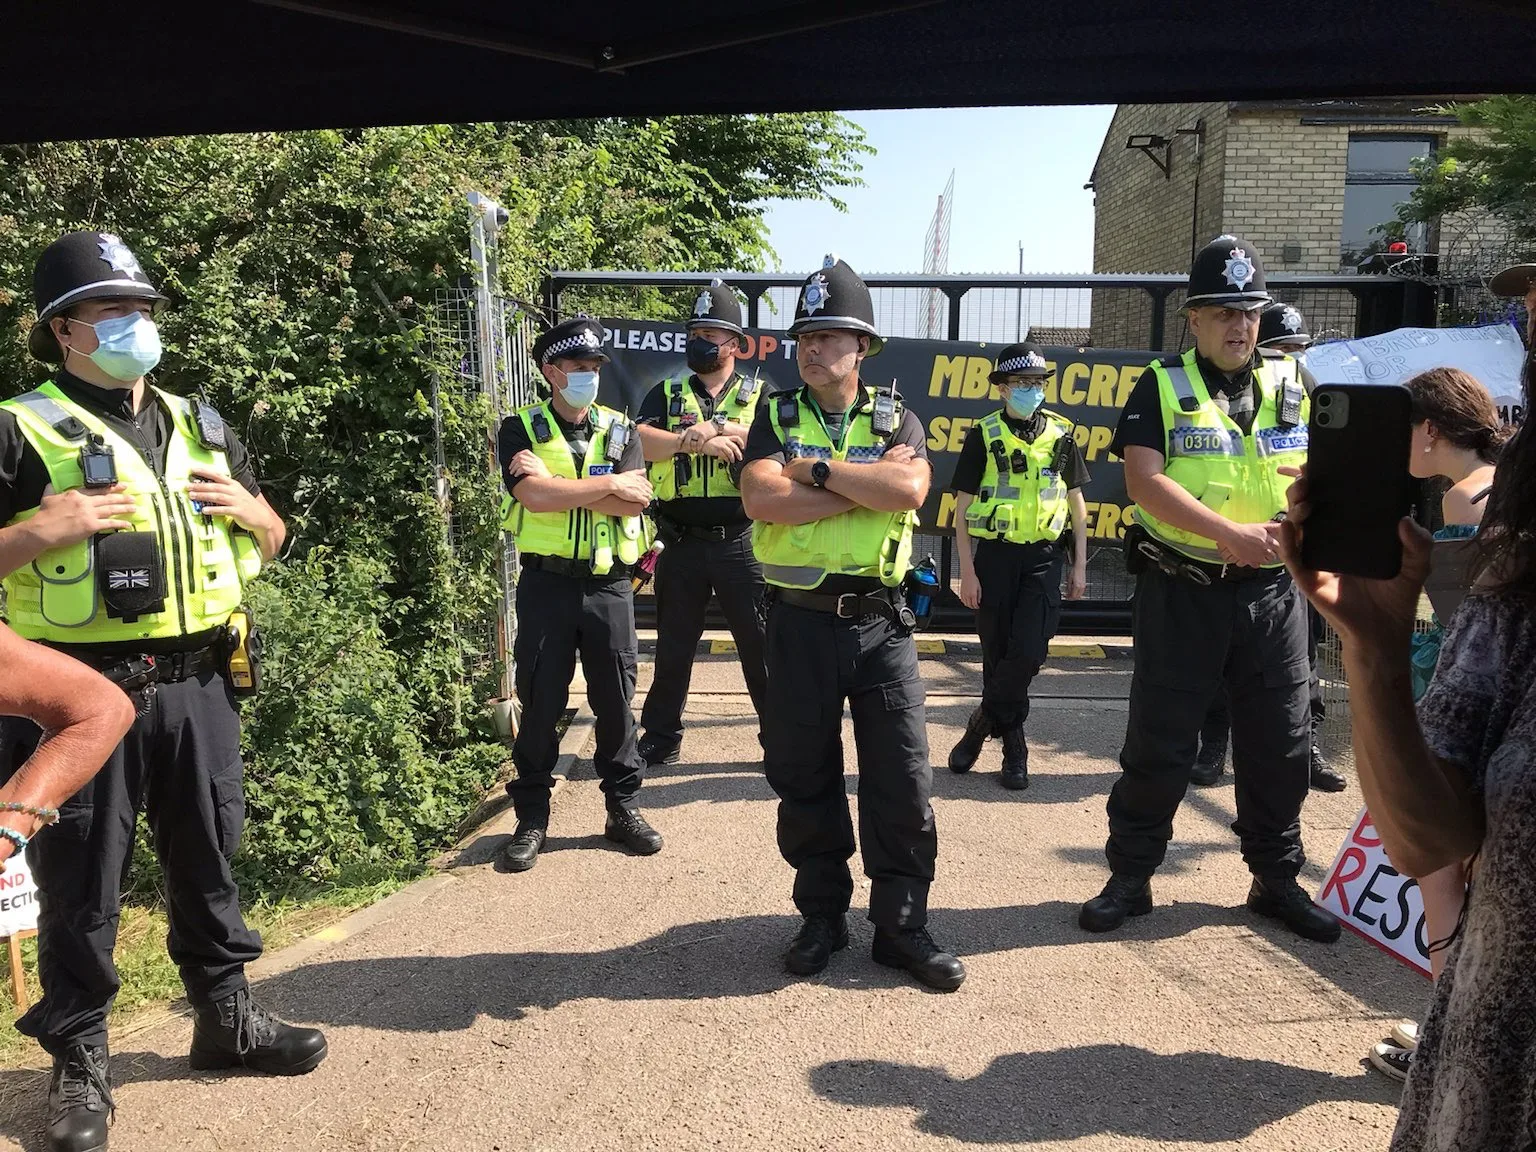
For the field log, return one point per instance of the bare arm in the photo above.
(899, 485)
(1078, 507)
(659, 444)
(769, 495)
(271, 535)
(1146, 484)
(83, 717)
(559, 494)
(63, 518)
(963, 547)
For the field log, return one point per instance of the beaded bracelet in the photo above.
(15, 838)
(45, 815)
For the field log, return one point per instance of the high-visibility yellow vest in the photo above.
(578, 534)
(1023, 497)
(709, 476)
(858, 542)
(1208, 455)
(207, 559)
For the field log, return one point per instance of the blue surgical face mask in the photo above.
(580, 389)
(128, 346)
(1023, 399)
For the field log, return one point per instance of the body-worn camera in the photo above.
(97, 463)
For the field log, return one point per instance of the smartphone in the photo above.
(1357, 479)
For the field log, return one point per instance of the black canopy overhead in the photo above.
(101, 68)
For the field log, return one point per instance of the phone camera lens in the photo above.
(1324, 419)
(1325, 399)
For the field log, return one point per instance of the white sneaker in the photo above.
(1392, 1060)
(1405, 1034)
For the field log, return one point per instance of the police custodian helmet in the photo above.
(1282, 324)
(1227, 272)
(579, 338)
(717, 307)
(77, 267)
(1022, 359)
(835, 297)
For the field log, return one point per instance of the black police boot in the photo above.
(237, 1032)
(627, 827)
(523, 853)
(654, 750)
(80, 1106)
(914, 951)
(1324, 776)
(1123, 896)
(1281, 898)
(963, 755)
(1210, 763)
(813, 945)
(1015, 759)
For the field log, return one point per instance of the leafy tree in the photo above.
(302, 268)
(1492, 171)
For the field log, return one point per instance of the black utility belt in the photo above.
(131, 673)
(888, 603)
(666, 526)
(1174, 563)
(580, 569)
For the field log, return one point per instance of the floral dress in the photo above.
(1472, 1087)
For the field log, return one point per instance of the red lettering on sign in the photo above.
(1365, 833)
(1351, 867)
(767, 345)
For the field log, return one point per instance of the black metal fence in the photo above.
(1098, 311)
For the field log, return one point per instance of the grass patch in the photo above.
(149, 978)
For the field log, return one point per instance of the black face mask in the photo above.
(703, 355)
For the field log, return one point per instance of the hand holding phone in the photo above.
(1358, 484)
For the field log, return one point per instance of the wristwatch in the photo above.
(821, 472)
(719, 421)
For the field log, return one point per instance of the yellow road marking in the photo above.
(721, 647)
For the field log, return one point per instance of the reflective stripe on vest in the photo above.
(206, 559)
(1208, 455)
(858, 542)
(1020, 508)
(708, 475)
(579, 533)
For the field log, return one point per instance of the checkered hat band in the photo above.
(1020, 363)
(584, 341)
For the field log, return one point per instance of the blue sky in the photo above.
(1019, 176)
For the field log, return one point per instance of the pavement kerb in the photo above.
(493, 820)
(945, 646)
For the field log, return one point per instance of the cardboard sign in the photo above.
(1375, 900)
(1494, 354)
(18, 898)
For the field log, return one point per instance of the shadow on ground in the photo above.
(1103, 1089)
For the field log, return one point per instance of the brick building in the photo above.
(1309, 183)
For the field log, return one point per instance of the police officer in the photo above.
(1203, 436)
(133, 521)
(835, 472)
(1019, 474)
(577, 490)
(1519, 281)
(1282, 332)
(693, 428)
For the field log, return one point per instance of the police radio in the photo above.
(618, 439)
(210, 426)
(747, 389)
(98, 465)
(882, 419)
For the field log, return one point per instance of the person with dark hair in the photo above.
(1456, 434)
(1451, 779)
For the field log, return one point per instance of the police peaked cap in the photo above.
(1022, 359)
(1229, 273)
(1282, 324)
(579, 338)
(835, 297)
(77, 267)
(717, 307)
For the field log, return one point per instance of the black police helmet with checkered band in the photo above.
(716, 307)
(77, 267)
(1227, 272)
(1282, 324)
(579, 338)
(1022, 359)
(835, 297)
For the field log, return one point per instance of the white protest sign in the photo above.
(1493, 354)
(18, 898)
(1375, 900)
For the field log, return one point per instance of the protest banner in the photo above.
(1493, 354)
(943, 381)
(18, 898)
(1373, 899)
